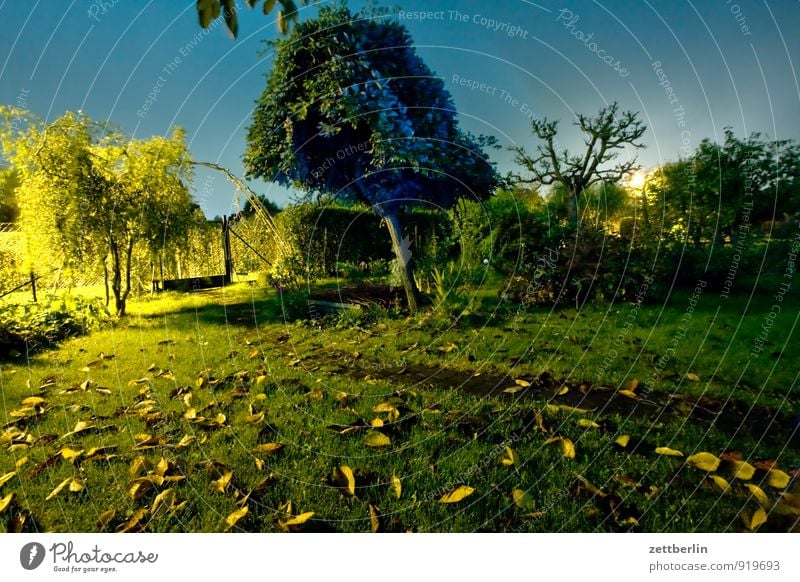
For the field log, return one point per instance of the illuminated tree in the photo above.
(351, 111)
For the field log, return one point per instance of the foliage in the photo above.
(210, 10)
(9, 182)
(351, 111)
(89, 196)
(29, 327)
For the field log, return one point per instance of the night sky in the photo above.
(690, 68)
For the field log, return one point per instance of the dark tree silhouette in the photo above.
(605, 135)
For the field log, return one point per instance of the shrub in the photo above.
(30, 327)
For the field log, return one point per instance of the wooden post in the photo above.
(33, 286)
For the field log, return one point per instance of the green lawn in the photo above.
(204, 404)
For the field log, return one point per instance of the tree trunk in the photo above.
(116, 279)
(403, 254)
(122, 302)
(572, 206)
(105, 280)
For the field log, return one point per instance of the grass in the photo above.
(201, 380)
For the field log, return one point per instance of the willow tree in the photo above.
(351, 111)
(88, 196)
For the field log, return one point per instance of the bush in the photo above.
(30, 327)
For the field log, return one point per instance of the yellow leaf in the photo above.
(374, 518)
(587, 423)
(777, 479)
(632, 385)
(510, 458)
(33, 401)
(759, 517)
(344, 479)
(376, 422)
(201, 381)
(521, 382)
(105, 518)
(6, 501)
(720, 484)
(629, 394)
(758, 493)
(254, 418)
(260, 380)
(513, 389)
(76, 485)
(221, 484)
(58, 488)
(186, 440)
(668, 452)
(21, 462)
(384, 407)
(462, 492)
(703, 461)
(7, 477)
(163, 502)
(268, 448)
(297, 520)
(590, 487)
(234, 517)
(692, 377)
(138, 466)
(397, 487)
(448, 348)
(523, 499)
(623, 440)
(742, 470)
(566, 445)
(162, 467)
(376, 439)
(563, 391)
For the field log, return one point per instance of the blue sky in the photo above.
(690, 68)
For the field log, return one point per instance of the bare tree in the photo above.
(606, 134)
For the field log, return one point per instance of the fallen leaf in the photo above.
(105, 518)
(221, 484)
(523, 499)
(521, 382)
(758, 493)
(457, 495)
(7, 477)
(777, 479)
(629, 394)
(297, 520)
(6, 501)
(234, 517)
(668, 452)
(33, 401)
(374, 438)
(703, 461)
(254, 418)
(510, 458)
(58, 488)
(374, 518)
(448, 348)
(396, 485)
(692, 377)
(513, 389)
(758, 517)
(566, 445)
(344, 479)
(563, 391)
(720, 485)
(268, 448)
(587, 423)
(742, 470)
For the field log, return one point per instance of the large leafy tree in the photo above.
(9, 182)
(88, 196)
(351, 111)
(605, 136)
(210, 10)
